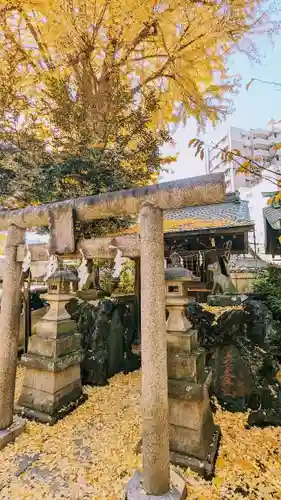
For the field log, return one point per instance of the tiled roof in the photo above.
(273, 216)
(241, 263)
(222, 215)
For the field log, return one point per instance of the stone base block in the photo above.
(189, 414)
(47, 418)
(51, 382)
(194, 442)
(48, 402)
(9, 435)
(203, 467)
(186, 366)
(190, 391)
(184, 342)
(54, 348)
(206, 466)
(135, 491)
(45, 363)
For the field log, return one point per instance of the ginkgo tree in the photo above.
(76, 74)
(65, 59)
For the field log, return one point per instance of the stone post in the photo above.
(156, 479)
(155, 427)
(9, 327)
(9, 331)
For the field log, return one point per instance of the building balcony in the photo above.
(263, 153)
(275, 137)
(260, 134)
(260, 143)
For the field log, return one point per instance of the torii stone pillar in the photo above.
(154, 404)
(155, 480)
(9, 331)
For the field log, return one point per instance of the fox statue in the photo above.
(220, 281)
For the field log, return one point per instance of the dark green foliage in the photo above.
(268, 287)
(85, 157)
(71, 178)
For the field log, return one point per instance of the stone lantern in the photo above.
(61, 281)
(193, 435)
(52, 382)
(177, 284)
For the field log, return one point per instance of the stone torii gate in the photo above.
(149, 202)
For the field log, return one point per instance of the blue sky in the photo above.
(253, 108)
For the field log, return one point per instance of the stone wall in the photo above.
(243, 281)
(108, 328)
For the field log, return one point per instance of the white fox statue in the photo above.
(220, 281)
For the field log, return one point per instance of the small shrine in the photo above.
(52, 382)
(193, 436)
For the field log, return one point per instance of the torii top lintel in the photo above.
(201, 190)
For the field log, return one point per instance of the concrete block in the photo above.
(51, 382)
(48, 328)
(11, 433)
(135, 491)
(47, 418)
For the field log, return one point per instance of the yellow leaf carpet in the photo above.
(90, 454)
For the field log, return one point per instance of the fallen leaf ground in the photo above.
(90, 454)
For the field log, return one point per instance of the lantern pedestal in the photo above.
(194, 438)
(52, 381)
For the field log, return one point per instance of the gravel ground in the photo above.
(90, 454)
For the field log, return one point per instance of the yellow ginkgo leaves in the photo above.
(91, 453)
(178, 48)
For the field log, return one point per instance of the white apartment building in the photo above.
(254, 143)
(257, 197)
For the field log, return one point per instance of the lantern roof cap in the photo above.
(63, 274)
(179, 274)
